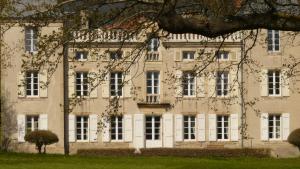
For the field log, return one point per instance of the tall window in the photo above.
(116, 80)
(116, 128)
(188, 82)
(30, 39)
(152, 87)
(153, 45)
(81, 55)
(189, 127)
(32, 123)
(274, 82)
(273, 40)
(188, 55)
(82, 128)
(152, 127)
(32, 83)
(222, 55)
(222, 84)
(115, 55)
(81, 83)
(274, 126)
(222, 127)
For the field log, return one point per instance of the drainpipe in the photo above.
(243, 113)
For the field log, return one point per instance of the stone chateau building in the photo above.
(164, 102)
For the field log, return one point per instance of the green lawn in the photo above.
(33, 161)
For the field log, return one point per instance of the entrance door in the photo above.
(153, 131)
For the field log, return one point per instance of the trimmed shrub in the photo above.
(177, 152)
(41, 138)
(294, 138)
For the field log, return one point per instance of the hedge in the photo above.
(177, 152)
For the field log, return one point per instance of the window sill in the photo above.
(117, 141)
(189, 140)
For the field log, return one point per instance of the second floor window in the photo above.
(222, 55)
(222, 84)
(222, 127)
(116, 83)
(32, 83)
(152, 83)
(273, 40)
(32, 123)
(30, 39)
(81, 55)
(188, 55)
(81, 83)
(274, 126)
(153, 45)
(274, 82)
(188, 82)
(116, 128)
(189, 127)
(82, 128)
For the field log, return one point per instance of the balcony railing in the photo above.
(152, 56)
(152, 98)
(188, 37)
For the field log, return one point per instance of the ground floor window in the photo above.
(116, 128)
(222, 127)
(189, 127)
(274, 126)
(82, 128)
(152, 127)
(32, 123)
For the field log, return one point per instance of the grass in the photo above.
(35, 161)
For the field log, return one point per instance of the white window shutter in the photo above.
(285, 125)
(105, 86)
(43, 83)
(211, 85)
(264, 83)
(21, 127)
(212, 122)
(200, 84)
(264, 132)
(178, 83)
(93, 84)
(139, 129)
(234, 127)
(233, 83)
(105, 129)
(93, 118)
(71, 83)
(178, 56)
(72, 128)
(43, 122)
(179, 127)
(127, 85)
(201, 126)
(285, 83)
(21, 84)
(168, 130)
(128, 127)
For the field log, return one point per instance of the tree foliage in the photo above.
(41, 138)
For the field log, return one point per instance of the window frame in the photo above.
(188, 52)
(223, 121)
(32, 84)
(82, 53)
(33, 33)
(82, 84)
(151, 46)
(274, 127)
(191, 86)
(152, 85)
(34, 122)
(116, 121)
(191, 129)
(273, 83)
(220, 55)
(272, 39)
(82, 118)
(115, 53)
(224, 86)
(153, 128)
(118, 87)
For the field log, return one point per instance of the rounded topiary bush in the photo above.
(41, 138)
(294, 138)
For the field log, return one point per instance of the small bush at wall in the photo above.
(294, 138)
(177, 152)
(41, 138)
